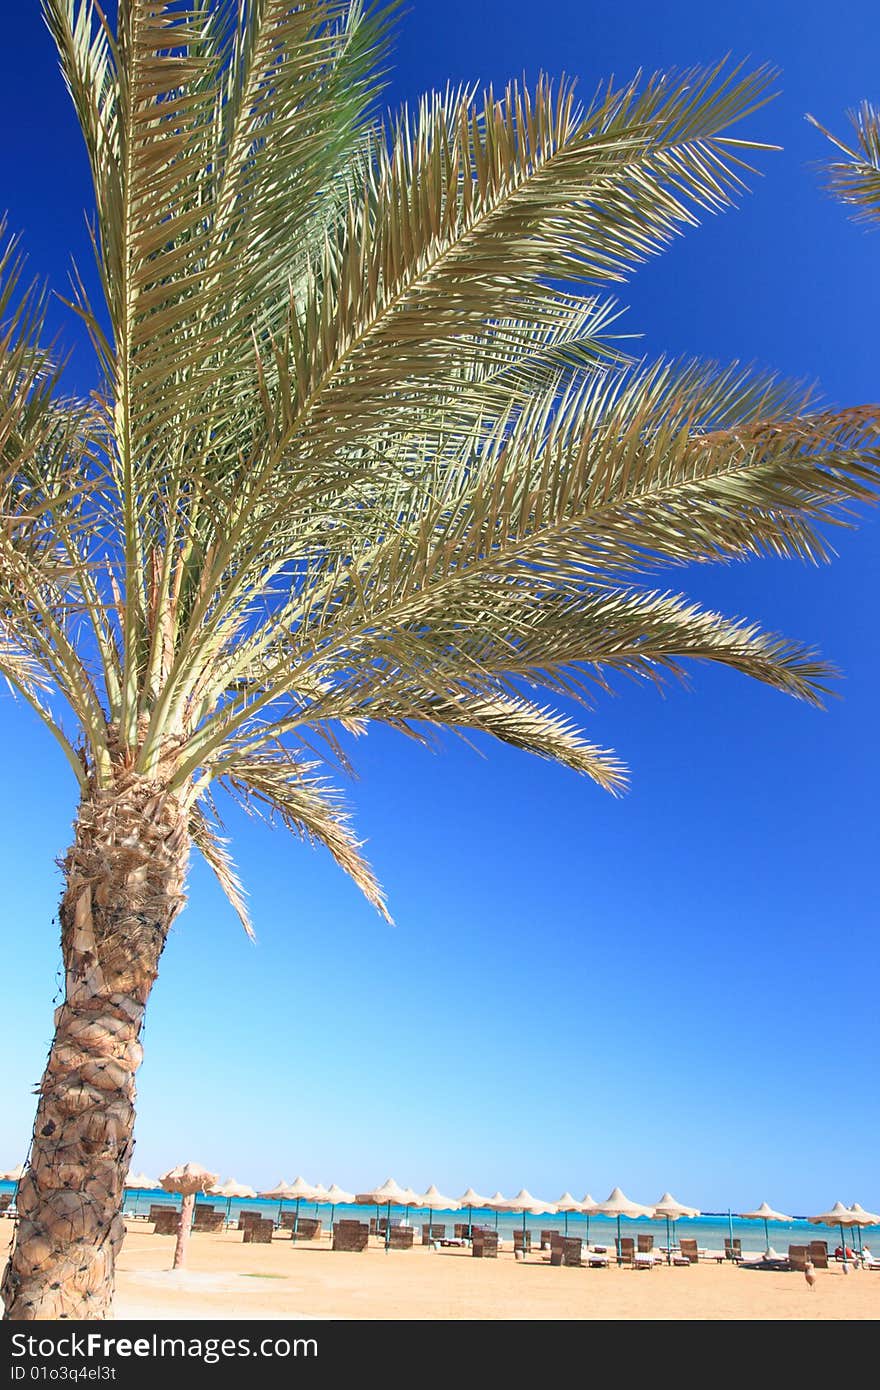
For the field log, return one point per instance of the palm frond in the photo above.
(272, 784)
(208, 840)
(855, 179)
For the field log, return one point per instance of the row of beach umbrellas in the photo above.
(617, 1205)
(390, 1194)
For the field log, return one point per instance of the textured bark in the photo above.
(124, 886)
(183, 1230)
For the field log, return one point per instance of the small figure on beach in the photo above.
(810, 1273)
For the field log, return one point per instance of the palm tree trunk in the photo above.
(124, 886)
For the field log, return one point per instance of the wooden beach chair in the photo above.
(485, 1244)
(733, 1249)
(548, 1237)
(212, 1223)
(351, 1235)
(166, 1222)
(819, 1254)
(247, 1218)
(797, 1257)
(308, 1228)
(401, 1238)
(156, 1207)
(645, 1244)
(432, 1231)
(689, 1250)
(522, 1240)
(258, 1232)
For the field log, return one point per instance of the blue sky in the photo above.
(676, 990)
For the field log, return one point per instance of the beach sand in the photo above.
(227, 1279)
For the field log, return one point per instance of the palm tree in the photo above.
(355, 457)
(855, 179)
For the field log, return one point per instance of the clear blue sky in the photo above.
(675, 990)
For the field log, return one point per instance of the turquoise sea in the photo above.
(709, 1231)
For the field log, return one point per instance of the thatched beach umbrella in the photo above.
(497, 1203)
(471, 1199)
(282, 1192)
(529, 1206)
(765, 1213)
(389, 1194)
(432, 1200)
(566, 1203)
(841, 1216)
(140, 1182)
(300, 1191)
(229, 1189)
(13, 1175)
(866, 1218)
(618, 1204)
(187, 1180)
(337, 1197)
(672, 1210)
(589, 1206)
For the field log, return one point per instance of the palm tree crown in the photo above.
(355, 456)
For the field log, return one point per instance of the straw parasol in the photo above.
(13, 1175)
(527, 1204)
(765, 1213)
(140, 1182)
(672, 1210)
(618, 1204)
(566, 1203)
(187, 1179)
(497, 1203)
(589, 1207)
(432, 1200)
(841, 1216)
(294, 1191)
(389, 1194)
(866, 1218)
(229, 1189)
(471, 1199)
(300, 1191)
(337, 1197)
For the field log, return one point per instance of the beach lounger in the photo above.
(5, 1200)
(308, 1228)
(645, 1244)
(596, 1259)
(258, 1232)
(819, 1253)
(401, 1238)
(166, 1222)
(247, 1218)
(689, 1250)
(431, 1231)
(485, 1245)
(351, 1235)
(522, 1240)
(797, 1257)
(159, 1206)
(548, 1237)
(733, 1248)
(566, 1250)
(213, 1222)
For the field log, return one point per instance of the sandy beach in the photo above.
(225, 1278)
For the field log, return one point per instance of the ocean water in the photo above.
(710, 1232)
